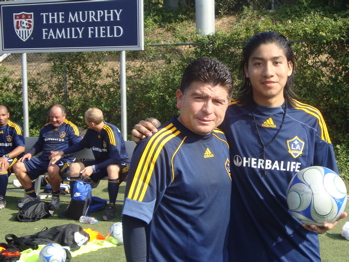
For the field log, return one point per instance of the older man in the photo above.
(56, 135)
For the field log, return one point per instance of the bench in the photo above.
(86, 153)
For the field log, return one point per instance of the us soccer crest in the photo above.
(295, 146)
(24, 24)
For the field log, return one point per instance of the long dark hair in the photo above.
(245, 92)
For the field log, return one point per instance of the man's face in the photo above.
(4, 116)
(268, 70)
(56, 116)
(202, 107)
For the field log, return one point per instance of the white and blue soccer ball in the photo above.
(52, 253)
(316, 195)
(115, 231)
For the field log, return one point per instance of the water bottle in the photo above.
(88, 220)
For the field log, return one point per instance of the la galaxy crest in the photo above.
(9, 139)
(62, 134)
(295, 146)
(23, 24)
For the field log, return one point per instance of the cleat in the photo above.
(56, 202)
(26, 200)
(2, 202)
(109, 213)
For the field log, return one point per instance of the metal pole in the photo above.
(123, 94)
(205, 16)
(25, 95)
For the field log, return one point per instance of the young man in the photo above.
(11, 147)
(110, 154)
(180, 177)
(56, 135)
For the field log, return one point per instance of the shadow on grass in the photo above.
(334, 236)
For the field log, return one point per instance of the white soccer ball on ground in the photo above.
(52, 253)
(345, 231)
(115, 231)
(316, 195)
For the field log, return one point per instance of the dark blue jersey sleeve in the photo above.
(134, 234)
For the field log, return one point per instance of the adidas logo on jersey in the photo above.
(208, 153)
(269, 123)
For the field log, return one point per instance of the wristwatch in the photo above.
(6, 156)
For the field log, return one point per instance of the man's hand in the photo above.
(326, 226)
(142, 130)
(55, 156)
(87, 171)
(56, 153)
(26, 156)
(3, 162)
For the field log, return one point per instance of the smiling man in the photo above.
(56, 135)
(179, 178)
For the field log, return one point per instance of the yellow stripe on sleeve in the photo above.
(317, 114)
(148, 160)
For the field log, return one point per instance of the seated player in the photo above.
(11, 147)
(110, 154)
(56, 135)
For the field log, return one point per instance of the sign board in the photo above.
(71, 26)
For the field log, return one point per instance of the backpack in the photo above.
(70, 235)
(80, 202)
(35, 210)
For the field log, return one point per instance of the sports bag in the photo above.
(80, 202)
(97, 204)
(34, 211)
(70, 235)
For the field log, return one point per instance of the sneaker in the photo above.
(56, 202)
(26, 200)
(2, 202)
(16, 183)
(109, 213)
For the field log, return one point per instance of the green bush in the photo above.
(81, 80)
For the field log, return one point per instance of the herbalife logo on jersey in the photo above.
(266, 164)
(23, 24)
(269, 123)
(208, 153)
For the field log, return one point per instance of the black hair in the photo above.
(207, 70)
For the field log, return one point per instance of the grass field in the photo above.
(9, 225)
(334, 248)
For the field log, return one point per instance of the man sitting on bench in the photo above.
(108, 147)
(57, 135)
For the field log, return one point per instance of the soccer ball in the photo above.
(115, 231)
(52, 253)
(316, 195)
(345, 231)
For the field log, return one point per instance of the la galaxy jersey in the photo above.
(56, 138)
(10, 137)
(264, 159)
(179, 183)
(108, 145)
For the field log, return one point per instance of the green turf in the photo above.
(334, 248)
(10, 226)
